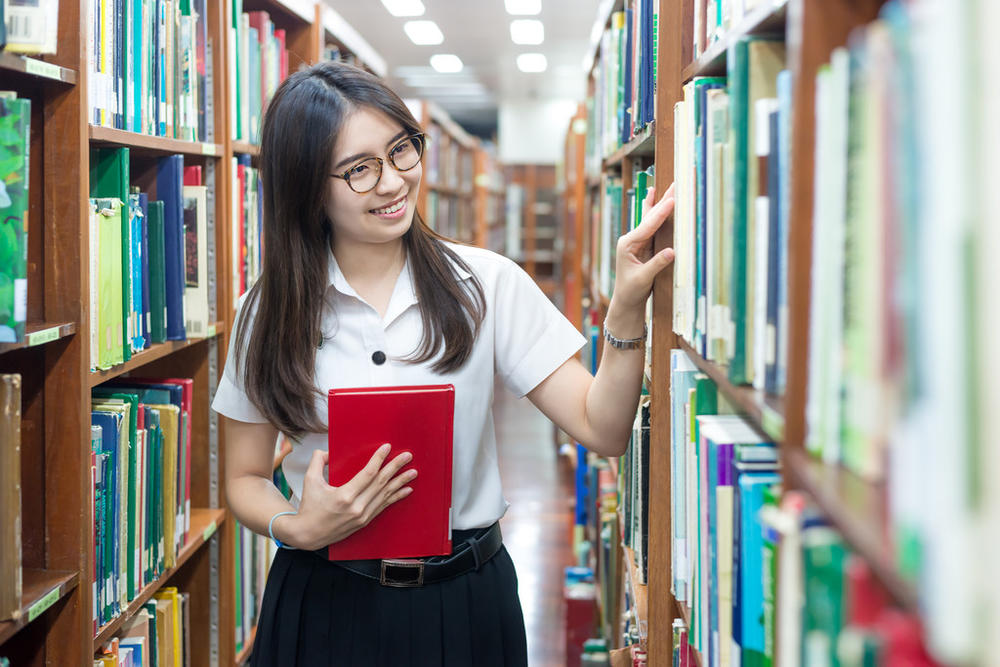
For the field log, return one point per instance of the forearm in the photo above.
(253, 500)
(614, 394)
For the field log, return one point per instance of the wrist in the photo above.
(286, 529)
(625, 323)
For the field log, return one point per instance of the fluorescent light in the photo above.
(527, 31)
(423, 33)
(404, 7)
(532, 62)
(446, 63)
(523, 7)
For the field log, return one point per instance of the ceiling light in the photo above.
(523, 7)
(532, 62)
(423, 33)
(527, 31)
(446, 63)
(404, 7)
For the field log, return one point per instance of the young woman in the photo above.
(357, 291)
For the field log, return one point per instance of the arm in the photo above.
(598, 411)
(326, 514)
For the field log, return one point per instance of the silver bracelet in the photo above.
(626, 343)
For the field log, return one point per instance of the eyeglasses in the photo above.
(365, 175)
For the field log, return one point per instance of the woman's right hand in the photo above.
(328, 514)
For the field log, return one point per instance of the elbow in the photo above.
(607, 447)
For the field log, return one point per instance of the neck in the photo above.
(367, 262)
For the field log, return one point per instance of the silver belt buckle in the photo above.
(412, 568)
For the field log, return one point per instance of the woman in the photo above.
(357, 291)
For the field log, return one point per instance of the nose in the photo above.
(391, 181)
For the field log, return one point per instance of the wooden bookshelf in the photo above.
(204, 524)
(40, 589)
(857, 508)
(35, 67)
(156, 351)
(639, 594)
(40, 333)
(253, 150)
(150, 144)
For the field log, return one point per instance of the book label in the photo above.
(43, 336)
(208, 532)
(35, 610)
(42, 68)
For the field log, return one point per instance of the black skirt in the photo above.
(317, 613)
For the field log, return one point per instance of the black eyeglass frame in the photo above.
(420, 136)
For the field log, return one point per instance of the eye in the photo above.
(404, 146)
(358, 170)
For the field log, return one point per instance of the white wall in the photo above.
(533, 132)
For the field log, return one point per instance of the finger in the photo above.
(369, 473)
(387, 477)
(317, 462)
(647, 201)
(653, 219)
(395, 498)
(650, 269)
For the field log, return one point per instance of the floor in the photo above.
(538, 484)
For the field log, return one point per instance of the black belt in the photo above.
(412, 572)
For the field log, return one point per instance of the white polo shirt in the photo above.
(523, 339)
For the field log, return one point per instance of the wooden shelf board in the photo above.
(15, 62)
(642, 144)
(156, 351)
(150, 144)
(858, 509)
(246, 147)
(247, 649)
(640, 596)
(40, 589)
(765, 19)
(204, 524)
(449, 191)
(39, 333)
(765, 411)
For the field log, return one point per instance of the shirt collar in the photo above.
(404, 294)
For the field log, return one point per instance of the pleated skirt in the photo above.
(315, 613)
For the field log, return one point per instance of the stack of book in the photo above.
(258, 63)
(141, 485)
(731, 219)
(148, 67)
(15, 138)
(148, 259)
(623, 80)
(158, 635)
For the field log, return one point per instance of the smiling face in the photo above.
(384, 213)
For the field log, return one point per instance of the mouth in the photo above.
(393, 211)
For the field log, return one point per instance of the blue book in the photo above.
(701, 88)
(170, 189)
(146, 324)
(625, 110)
(135, 221)
(109, 421)
(748, 570)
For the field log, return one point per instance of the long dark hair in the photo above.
(277, 355)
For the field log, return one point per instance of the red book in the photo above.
(415, 419)
(192, 175)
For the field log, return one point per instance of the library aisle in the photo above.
(538, 484)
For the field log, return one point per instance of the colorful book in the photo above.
(15, 143)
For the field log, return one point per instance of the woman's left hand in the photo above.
(636, 266)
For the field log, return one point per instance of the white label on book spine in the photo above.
(20, 299)
(770, 352)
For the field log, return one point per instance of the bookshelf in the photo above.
(54, 624)
(538, 250)
(857, 507)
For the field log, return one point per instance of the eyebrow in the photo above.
(358, 156)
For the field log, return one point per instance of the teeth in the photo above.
(391, 209)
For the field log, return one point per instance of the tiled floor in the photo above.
(538, 484)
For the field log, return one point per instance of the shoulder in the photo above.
(487, 265)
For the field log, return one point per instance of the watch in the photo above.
(626, 343)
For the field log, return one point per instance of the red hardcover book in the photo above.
(415, 419)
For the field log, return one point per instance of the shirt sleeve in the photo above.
(533, 338)
(231, 398)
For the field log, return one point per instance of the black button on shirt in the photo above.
(378, 357)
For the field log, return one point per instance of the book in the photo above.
(32, 26)
(157, 274)
(196, 310)
(108, 319)
(170, 190)
(416, 419)
(15, 148)
(10, 496)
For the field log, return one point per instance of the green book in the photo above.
(109, 174)
(157, 274)
(110, 317)
(823, 615)
(15, 142)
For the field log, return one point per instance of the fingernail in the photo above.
(407, 457)
(412, 474)
(384, 449)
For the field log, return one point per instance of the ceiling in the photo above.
(478, 32)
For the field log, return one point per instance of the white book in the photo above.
(196, 313)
